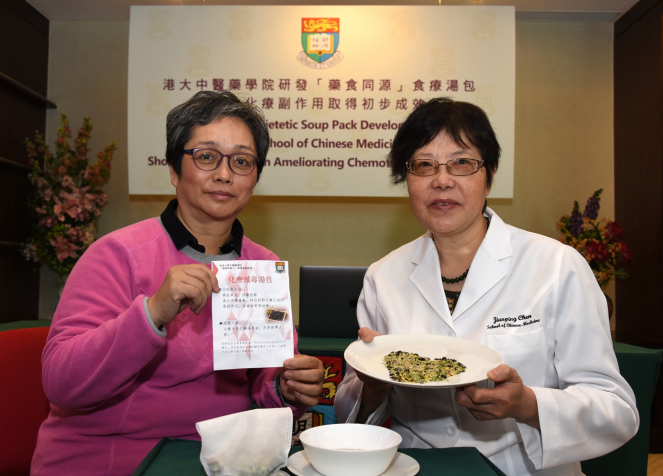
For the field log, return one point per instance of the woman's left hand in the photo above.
(509, 399)
(301, 379)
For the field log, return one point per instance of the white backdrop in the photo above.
(331, 118)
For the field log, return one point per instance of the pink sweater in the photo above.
(116, 387)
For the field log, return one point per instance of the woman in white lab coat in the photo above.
(560, 398)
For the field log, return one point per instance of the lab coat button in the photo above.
(451, 431)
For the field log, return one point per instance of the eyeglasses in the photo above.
(428, 167)
(240, 163)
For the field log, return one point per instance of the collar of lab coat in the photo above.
(485, 271)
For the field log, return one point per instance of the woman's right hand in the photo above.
(187, 285)
(367, 335)
(375, 391)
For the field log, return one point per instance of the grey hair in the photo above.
(205, 107)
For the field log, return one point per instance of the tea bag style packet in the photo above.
(251, 443)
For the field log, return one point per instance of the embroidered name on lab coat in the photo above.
(519, 321)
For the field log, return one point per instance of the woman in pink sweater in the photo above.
(128, 359)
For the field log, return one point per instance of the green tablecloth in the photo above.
(334, 347)
(8, 326)
(182, 458)
(640, 367)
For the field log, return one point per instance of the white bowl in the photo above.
(344, 449)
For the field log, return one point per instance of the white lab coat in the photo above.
(563, 352)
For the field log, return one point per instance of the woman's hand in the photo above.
(187, 285)
(509, 399)
(375, 391)
(367, 335)
(301, 379)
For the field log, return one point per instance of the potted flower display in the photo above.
(67, 199)
(600, 242)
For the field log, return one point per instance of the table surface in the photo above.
(182, 458)
(638, 365)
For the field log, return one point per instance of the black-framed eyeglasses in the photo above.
(427, 167)
(241, 163)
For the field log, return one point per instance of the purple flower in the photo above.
(592, 207)
(575, 221)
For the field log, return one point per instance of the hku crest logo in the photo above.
(280, 266)
(320, 38)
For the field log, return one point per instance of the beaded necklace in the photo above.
(456, 280)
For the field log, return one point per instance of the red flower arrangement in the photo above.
(68, 198)
(600, 242)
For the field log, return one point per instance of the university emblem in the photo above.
(483, 26)
(318, 179)
(157, 178)
(485, 99)
(240, 25)
(320, 38)
(280, 266)
(443, 61)
(157, 100)
(198, 60)
(402, 25)
(160, 25)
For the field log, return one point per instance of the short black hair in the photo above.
(205, 107)
(458, 119)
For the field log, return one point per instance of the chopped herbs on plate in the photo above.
(412, 368)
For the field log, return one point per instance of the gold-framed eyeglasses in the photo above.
(241, 163)
(428, 167)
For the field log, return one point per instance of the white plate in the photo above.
(401, 465)
(479, 359)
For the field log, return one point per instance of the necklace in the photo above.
(456, 280)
